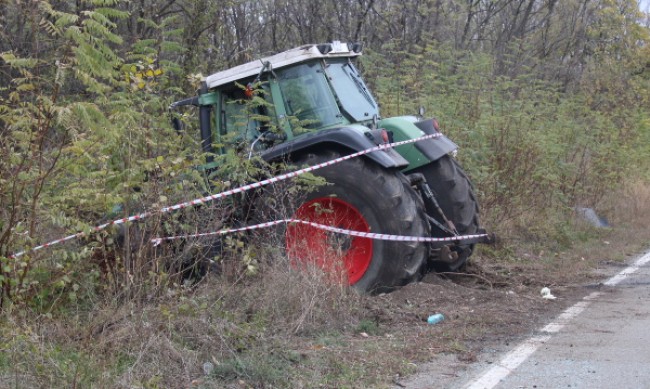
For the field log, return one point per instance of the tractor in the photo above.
(320, 109)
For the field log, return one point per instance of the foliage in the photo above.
(530, 147)
(77, 140)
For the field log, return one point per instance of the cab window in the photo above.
(308, 96)
(239, 121)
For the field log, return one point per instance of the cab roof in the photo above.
(296, 55)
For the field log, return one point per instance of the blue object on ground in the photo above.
(591, 217)
(435, 319)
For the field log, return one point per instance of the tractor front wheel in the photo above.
(455, 195)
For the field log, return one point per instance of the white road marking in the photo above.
(491, 377)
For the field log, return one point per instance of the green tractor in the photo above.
(321, 109)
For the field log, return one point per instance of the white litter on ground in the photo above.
(546, 294)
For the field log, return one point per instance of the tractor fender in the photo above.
(350, 138)
(422, 152)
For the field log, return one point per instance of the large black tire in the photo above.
(360, 195)
(455, 195)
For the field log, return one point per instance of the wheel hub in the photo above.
(339, 242)
(334, 253)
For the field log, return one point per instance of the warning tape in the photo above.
(370, 235)
(227, 193)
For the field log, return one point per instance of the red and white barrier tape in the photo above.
(227, 193)
(370, 235)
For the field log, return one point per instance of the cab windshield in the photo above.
(355, 98)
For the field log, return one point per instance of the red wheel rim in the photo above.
(334, 253)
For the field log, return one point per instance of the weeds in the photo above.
(368, 327)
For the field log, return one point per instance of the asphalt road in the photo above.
(603, 341)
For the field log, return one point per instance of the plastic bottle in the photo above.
(435, 319)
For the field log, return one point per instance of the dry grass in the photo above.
(630, 206)
(247, 327)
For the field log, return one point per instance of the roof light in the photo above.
(324, 48)
(356, 47)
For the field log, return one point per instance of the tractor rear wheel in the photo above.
(359, 196)
(455, 195)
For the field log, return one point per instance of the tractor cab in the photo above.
(306, 89)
